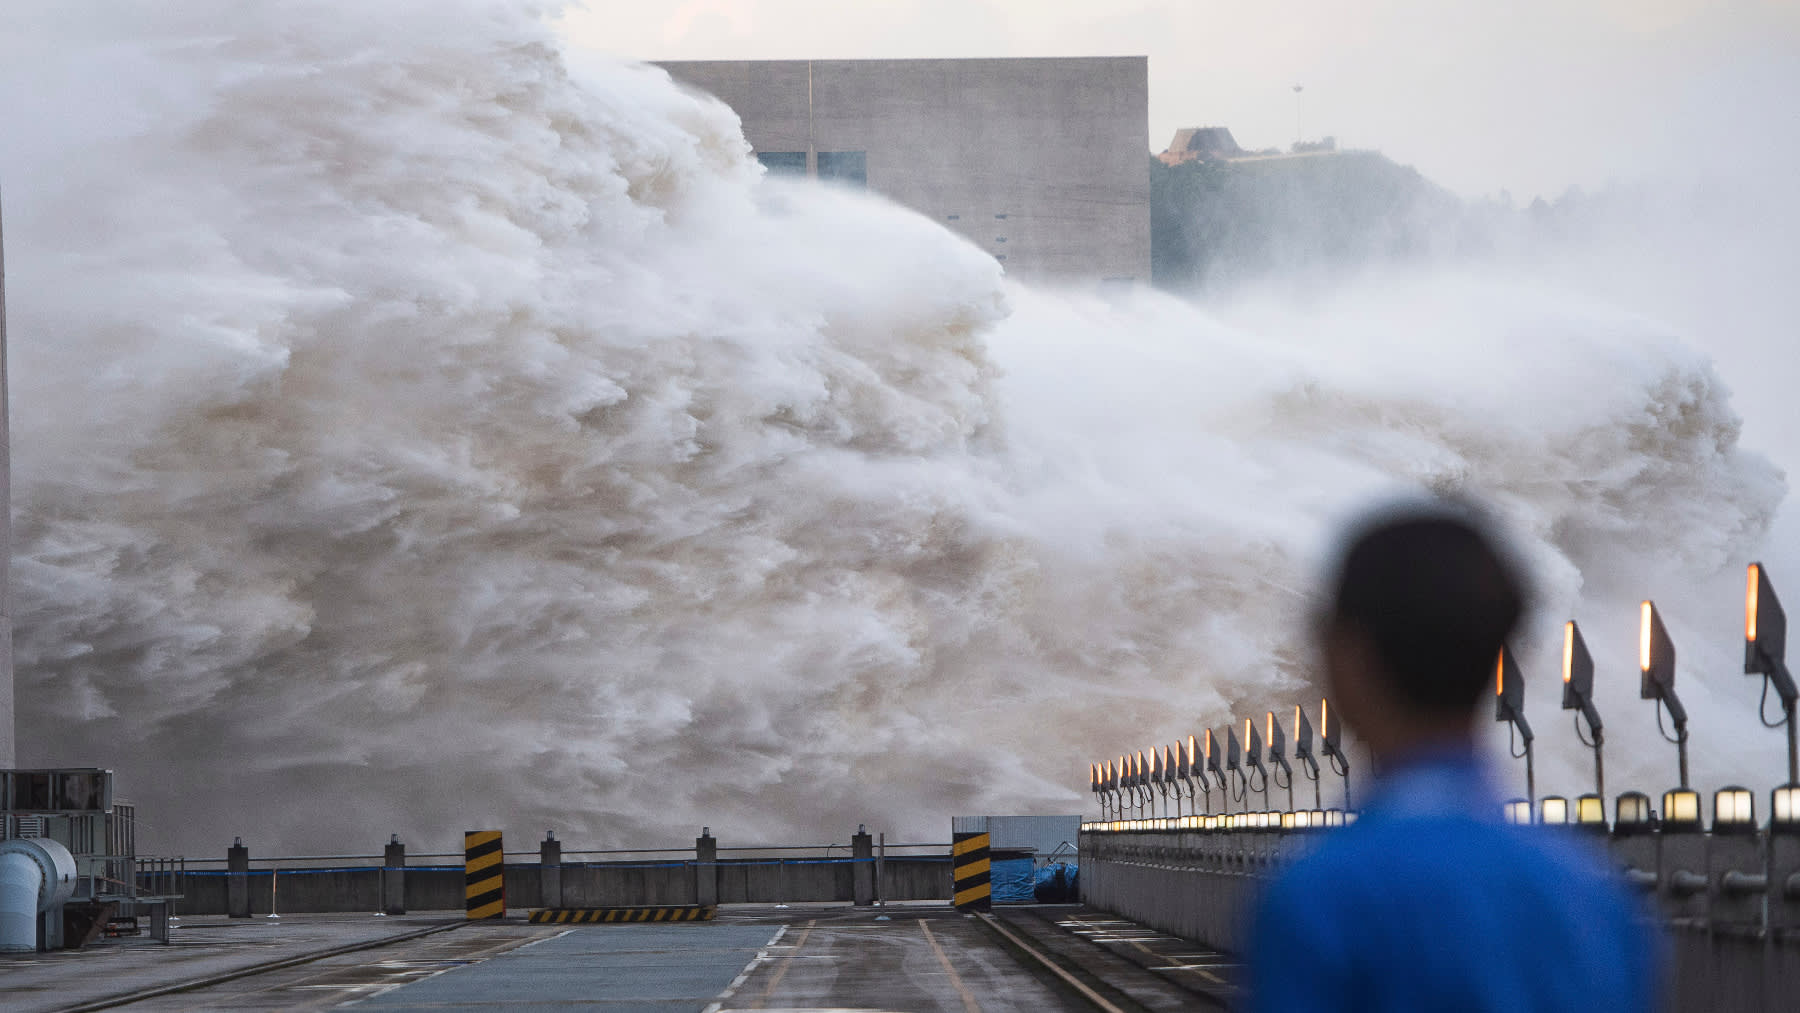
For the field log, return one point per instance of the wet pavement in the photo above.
(812, 958)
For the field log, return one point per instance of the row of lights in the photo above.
(1304, 819)
(1134, 782)
(1765, 642)
(1734, 811)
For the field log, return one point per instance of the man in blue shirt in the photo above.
(1429, 901)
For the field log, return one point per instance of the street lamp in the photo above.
(1303, 752)
(1253, 758)
(1656, 660)
(1169, 775)
(1212, 767)
(1734, 811)
(1231, 767)
(1274, 739)
(1553, 809)
(1331, 744)
(1765, 645)
(1578, 696)
(1590, 812)
(1190, 768)
(1509, 705)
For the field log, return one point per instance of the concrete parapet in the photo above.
(237, 881)
(550, 871)
(862, 875)
(393, 878)
(706, 868)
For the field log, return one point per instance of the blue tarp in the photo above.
(1013, 880)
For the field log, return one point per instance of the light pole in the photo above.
(1276, 745)
(1253, 759)
(1578, 696)
(1509, 705)
(1656, 662)
(1304, 753)
(1332, 745)
(1765, 647)
(1212, 766)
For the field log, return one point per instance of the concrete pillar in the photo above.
(862, 871)
(550, 871)
(237, 879)
(393, 878)
(706, 868)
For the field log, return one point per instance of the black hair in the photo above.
(1436, 599)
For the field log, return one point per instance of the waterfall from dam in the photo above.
(417, 428)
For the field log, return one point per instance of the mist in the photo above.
(419, 427)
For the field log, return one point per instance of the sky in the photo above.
(1530, 97)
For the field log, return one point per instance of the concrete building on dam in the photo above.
(1042, 162)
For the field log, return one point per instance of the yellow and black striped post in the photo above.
(969, 871)
(484, 874)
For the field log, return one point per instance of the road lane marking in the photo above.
(1073, 982)
(738, 982)
(969, 1003)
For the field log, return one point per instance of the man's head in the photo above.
(1420, 605)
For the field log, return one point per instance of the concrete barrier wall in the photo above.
(583, 884)
(1198, 885)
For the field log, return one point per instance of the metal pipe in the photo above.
(1735, 882)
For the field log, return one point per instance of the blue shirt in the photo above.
(1431, 902)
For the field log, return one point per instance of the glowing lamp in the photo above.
(1631, 813)
(1590, 811)
(1518, 811)
(1681, 810)
(1330, 735)
(1784, 809)
(1302, 819)
(1765, 623)
(1334, 817)
(1553, 809)
(1734, 811)
(1318, 818)
(1656, 656)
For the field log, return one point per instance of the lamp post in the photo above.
(1578, 696)
(1169, 776)
(1212, 767)
(1146, 797)
(1656, 661)
(1509, 705)
(1274, 738)
(1253, 759)
(1156, 781)
(1765, 647)
(1231, 767)
(1190, 765)
(1304, 753)
(1332, 745)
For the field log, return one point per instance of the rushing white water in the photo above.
(413, 434)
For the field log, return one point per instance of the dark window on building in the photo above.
(1000, 216)
(954, 217)
(783, 163)
(848, 167)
